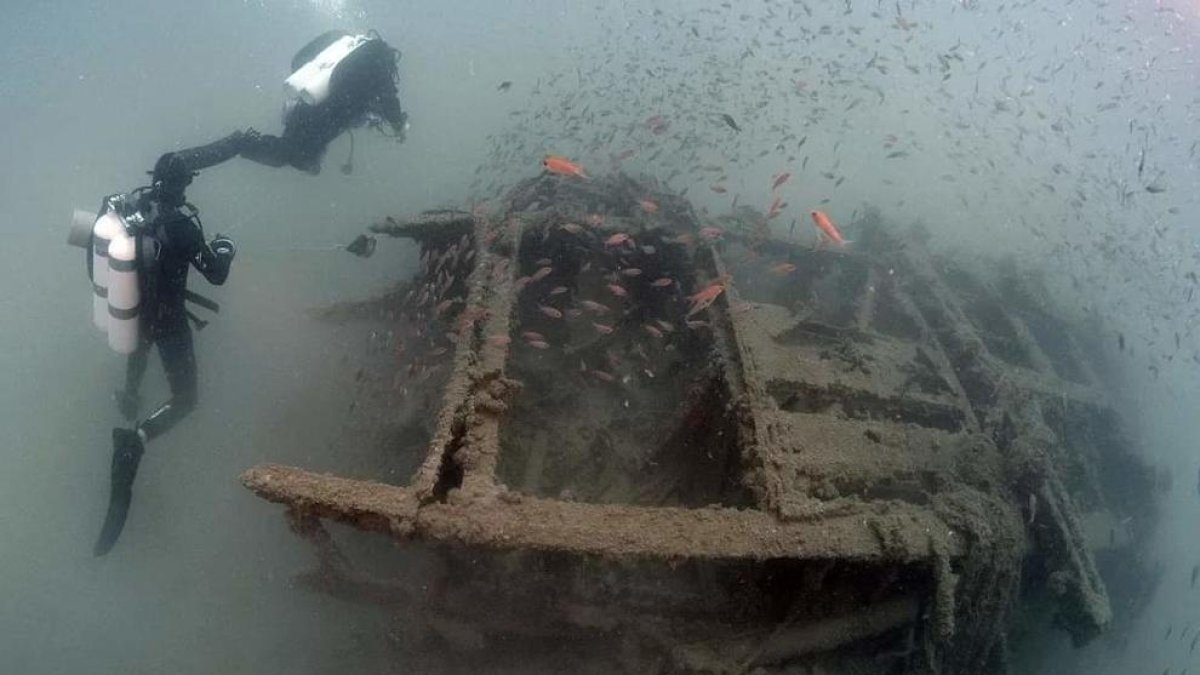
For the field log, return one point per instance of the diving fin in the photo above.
(127, 454)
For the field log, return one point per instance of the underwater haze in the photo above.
(1062, 134)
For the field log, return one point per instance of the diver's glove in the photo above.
(223, 246)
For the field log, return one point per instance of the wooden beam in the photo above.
(881, 532)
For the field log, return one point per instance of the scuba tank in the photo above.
(112, 259)
(124, 296)
(107, 226)
(309, 82)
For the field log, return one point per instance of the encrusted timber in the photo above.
(1084, 608)
(981, 586)
(509, 521)
(489, 289)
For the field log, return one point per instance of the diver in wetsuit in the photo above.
(359, 88)
(172, 240)
(339, 81)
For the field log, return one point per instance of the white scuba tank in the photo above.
(124, 297)
(107, 226)
(310, 82)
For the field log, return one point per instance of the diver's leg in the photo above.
(265, 149)
(175, 348)
(127, 453)
(212, 154)
(308, 160)
(302, 150)
(127, 399)
(307, 132)
(179, 361)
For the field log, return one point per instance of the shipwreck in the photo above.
(869, 459)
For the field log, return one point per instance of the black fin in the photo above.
(127, 455)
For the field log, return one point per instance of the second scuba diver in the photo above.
(360, 89)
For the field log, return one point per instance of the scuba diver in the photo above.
(339, 81)
(170, 240)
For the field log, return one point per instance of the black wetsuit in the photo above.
(179, 240)
(170, 240)
(362, 84)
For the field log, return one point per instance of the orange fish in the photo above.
(562, 166)
(662, 282)
(711, 233)
(782, 269)
(551, 312)
(617, 290)
(780, 180)
(827, 228)
(603, 329)
(707, 295)
(647, 205)
(617, 239)
(592, 306)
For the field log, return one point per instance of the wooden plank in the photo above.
(884, 532)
